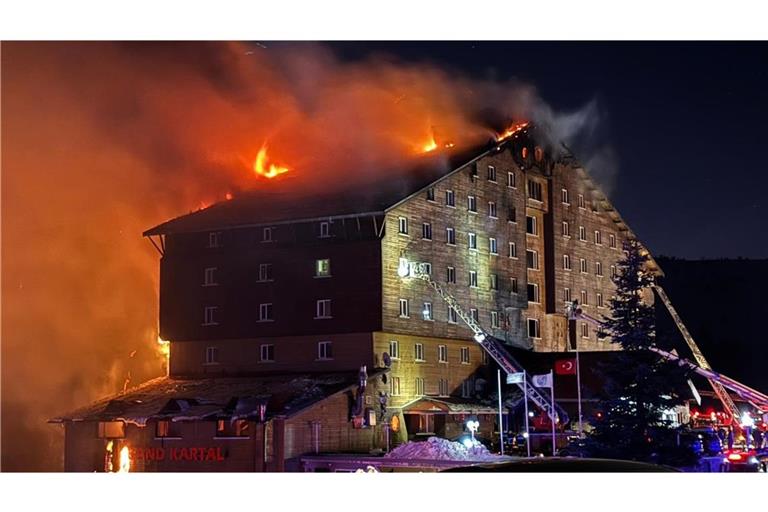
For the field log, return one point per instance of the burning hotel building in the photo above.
(291, 332)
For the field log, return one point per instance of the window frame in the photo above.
(326, 306)
(269, 308)
(267, 353)
(325, 350)
(405, 312)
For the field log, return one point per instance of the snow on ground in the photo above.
(438, 448)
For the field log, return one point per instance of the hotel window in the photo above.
(492, 209)
(111, 429)
(443, 387)
(265, 272)
(599, 300)
(394, 349)
(538, 153)
(211, 355)
(566, 262)
(464, 355)
(533, 292)
(584, 330)
(324, 350)
(582, 203)
(474, 314)
(419, 388)
(484, 357)
(494, 282)
(237, 428)
(513, 285)
(530, 225)
(450, 199)
(265, 312)
(431, 194)
(452, 316)
(598, 268)
(426, 313)
(473, 278)
(598, 238)
(613, 271)
(209, 277)
(472, 204)
(512, 250)
(418, 350)
(266, 234)
(426, 231)
(442, 354)
(511, 180)
(612, 241)
(450, 236)
(582, 234)
(402, 225)
(566, 229)
(404, 308)
(323, 308)
(532, 259)
(169, 429)
(584, 298)
(567, 295)
(394, 386)
(215, 239)
(534, 190)
(472, 241)
(325, 229)
(533, 328)
(267, 353)
(450, 276)
(209, 315)
(467, 387)
(323, 268)
(524, 153)
(495, 319)
(493, 246)
(583, 265)
(512, 213)
(491, 173)
(564, 196)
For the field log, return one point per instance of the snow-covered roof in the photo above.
(450, 405)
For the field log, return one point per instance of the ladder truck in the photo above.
(491, 345)
(718, 381)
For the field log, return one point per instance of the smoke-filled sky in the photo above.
(101, 141)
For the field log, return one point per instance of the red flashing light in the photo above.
(735, 456)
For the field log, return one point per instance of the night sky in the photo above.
(685, 122)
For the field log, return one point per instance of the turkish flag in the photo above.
(565, 367)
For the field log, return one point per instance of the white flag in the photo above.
(542, 381)
(515, 378)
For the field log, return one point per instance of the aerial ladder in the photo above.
(717, 380)
(490, 344)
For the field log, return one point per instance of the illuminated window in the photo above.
(513, 285)
(598, 238)
(394, 386)
(419, 386)
(512, 250)
(511, 180)
(402, 225)
(533, 328)
(567, 295)
(324, 350)
(472, 204)
(472, 241)
(532, 259)
(495, 319)
(228, 428)
(265, 272)
(215, 239)
(492, 209)
(325, 229)
(533, 293)
(266, 234)
(211, 355)
(566, 262)
(209, 315)
(418, 350)
(450, 275)
(564, 196)
(394, 349)
(265, 312)
(426, 313)
(538, 153)
(323, 308)
(491, 173)
(450, 199)
(111, 429)
(524, 153)
(323, 268)
(492, 246)
(267, 353)
(443, 387)
(583, 265)
(494, 282)
(426, 231)
(166, 428)
(431, 194)
(452, 315)
(530, 225)
(450, 236)
(464, 355)
(209, 277)
(442, 354)
(534, 190)
(404, 308)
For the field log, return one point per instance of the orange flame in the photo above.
(260, 165)
(125, 460)
(515, 128)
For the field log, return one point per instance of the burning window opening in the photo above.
(260, 165)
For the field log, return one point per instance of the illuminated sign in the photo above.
(196, 454)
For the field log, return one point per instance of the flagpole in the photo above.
(525, 398)
(554, 414)
(578, 387)
(501, 421)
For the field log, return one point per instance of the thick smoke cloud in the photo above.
(101, 141)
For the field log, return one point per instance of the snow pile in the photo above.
(437, 448)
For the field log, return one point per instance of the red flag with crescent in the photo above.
(565, 367)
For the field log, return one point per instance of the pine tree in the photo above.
(639, 385)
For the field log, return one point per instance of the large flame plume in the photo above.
(260, 165)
